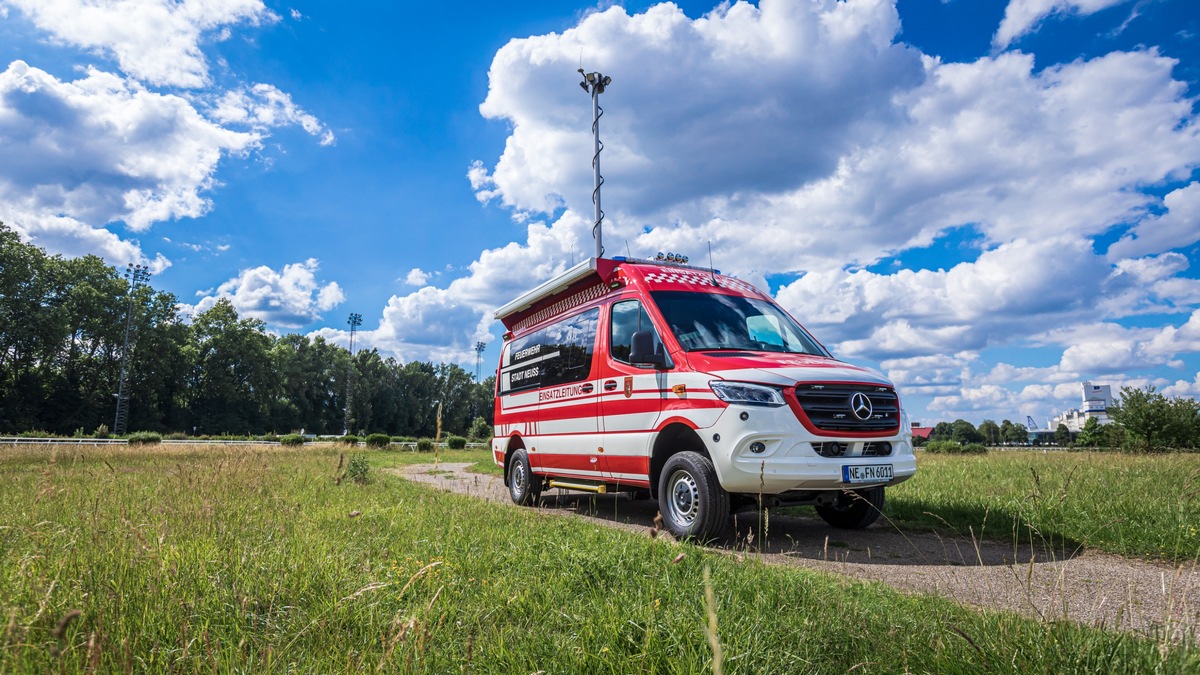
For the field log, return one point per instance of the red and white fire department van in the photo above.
(655, 377)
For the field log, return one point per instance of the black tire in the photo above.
(855, 509)
(692, 502)
(524, 486)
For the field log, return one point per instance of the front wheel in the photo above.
(855, 509)
(692, 501)
(523, 485)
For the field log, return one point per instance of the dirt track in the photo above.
(1093, 588)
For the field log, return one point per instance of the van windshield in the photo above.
(710, 321)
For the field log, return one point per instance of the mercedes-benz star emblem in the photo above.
(860, 405)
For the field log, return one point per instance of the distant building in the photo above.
(1097, 399)
(921, 431)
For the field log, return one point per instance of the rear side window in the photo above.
(560, 353)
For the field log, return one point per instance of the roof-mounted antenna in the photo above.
(594, 83)
(711, 270)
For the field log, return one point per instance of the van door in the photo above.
(631, 397)
(568, 430)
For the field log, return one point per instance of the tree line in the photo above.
(62, 327)
(1144, 421)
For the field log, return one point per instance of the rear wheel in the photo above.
(855, 509)
(692, 501)
(523, 485)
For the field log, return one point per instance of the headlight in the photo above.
(746, 393)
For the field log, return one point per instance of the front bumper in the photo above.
(789, 460)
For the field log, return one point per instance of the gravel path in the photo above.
(1093, 588)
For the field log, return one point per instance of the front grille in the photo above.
(828, 406)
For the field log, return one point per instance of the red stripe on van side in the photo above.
(549, 461)
(628, 464)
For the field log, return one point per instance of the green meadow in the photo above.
(267, 559)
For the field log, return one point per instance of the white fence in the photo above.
(18, 440)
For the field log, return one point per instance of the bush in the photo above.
(101, 431)
(953, 448)
(144, 438)
(348, 439)
(1155, 423)
(425, 445)
(291, 439)
(456, 442)
(176, 436)
(358, 469)
(378, 440)
(36, 433)
(480, 429)
(270, 438)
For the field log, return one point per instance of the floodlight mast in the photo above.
(479, 347)
(355, 321)
(594, 83)
(136, 276)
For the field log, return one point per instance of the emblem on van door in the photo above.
(860, 405)
(628, 387)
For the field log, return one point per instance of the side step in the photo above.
(598, 488)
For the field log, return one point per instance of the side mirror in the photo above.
(641, 351)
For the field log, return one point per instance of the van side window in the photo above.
(629, 317)
(574, 340)
(557, 354)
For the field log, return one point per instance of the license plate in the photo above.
(866, 473)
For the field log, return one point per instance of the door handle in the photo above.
(587, 388)
(611, 385)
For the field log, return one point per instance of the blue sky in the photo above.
(990, 201)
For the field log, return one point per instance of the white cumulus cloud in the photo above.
(681, 87)
(1179, 226)
(127, 147)
(287, 298)
(912, 313)
(262, 107)
(1024, 16)
(444, 324)
(804, 139)
(155, 41)
(800, 136)
(98, 150)
(416, 277)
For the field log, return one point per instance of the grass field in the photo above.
(257, 560)
(1138, 505)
